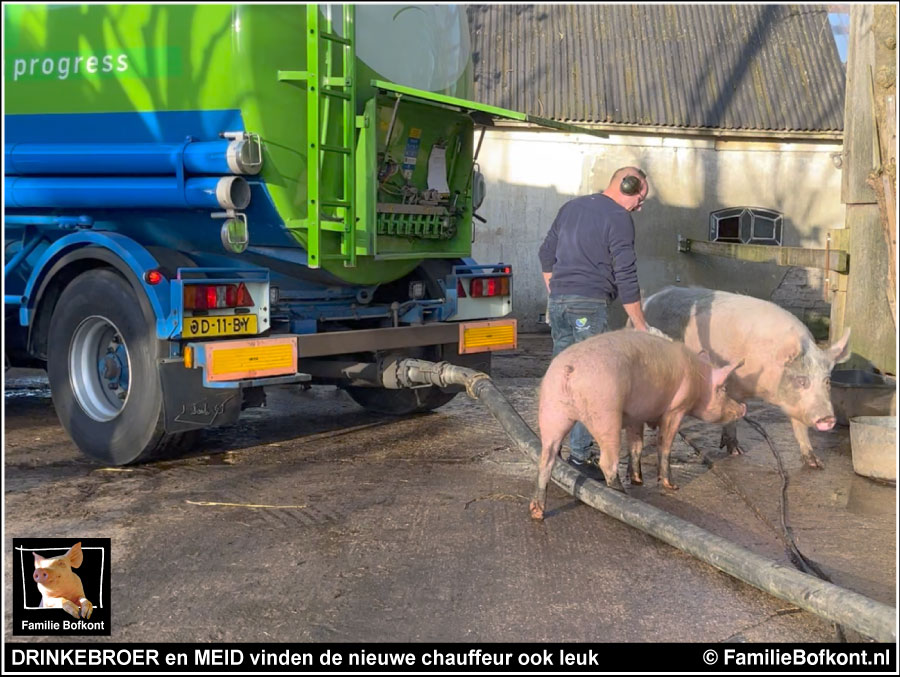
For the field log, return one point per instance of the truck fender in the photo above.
(81, 251)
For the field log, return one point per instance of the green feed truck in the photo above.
(202, 201)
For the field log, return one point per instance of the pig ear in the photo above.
(37, 559)
(788, 351)
(720, 375)
(75, 556)
(839, 351)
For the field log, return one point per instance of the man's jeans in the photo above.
(573, 319)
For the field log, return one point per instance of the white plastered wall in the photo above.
(530, 174)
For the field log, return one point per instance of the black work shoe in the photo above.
(588, 468)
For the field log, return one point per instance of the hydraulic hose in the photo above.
(851, 609)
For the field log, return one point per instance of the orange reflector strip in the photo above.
(189, 357)
(257, 358)
(480, 337)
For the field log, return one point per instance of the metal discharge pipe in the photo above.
(117, 192)
(870, 618)
(131, 159)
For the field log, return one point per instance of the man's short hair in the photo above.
(622, 172)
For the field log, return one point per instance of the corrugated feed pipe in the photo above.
(866, 616)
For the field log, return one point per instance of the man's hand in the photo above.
(657, 332)
(636, 315)
(547, 277)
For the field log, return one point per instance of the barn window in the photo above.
(747, 225)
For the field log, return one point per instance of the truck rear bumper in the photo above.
(397, 338)
(285, 354)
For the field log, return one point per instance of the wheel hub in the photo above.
(99, 368)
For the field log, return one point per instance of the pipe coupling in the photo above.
(411, 372)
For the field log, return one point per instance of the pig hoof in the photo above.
(615, 483)
(637, 481)
(86, 608)
(537, 510)
(736, 451)
(71, 609)
(814, 461)
(670, 485)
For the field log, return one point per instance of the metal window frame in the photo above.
(749, 217)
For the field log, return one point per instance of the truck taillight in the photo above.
(244, 300)
(211, 296)
(489, 286)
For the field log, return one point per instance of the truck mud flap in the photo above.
(188, 405)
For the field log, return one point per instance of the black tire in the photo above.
(100, 309)
(399, 402)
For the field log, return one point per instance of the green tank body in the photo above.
(177, 69)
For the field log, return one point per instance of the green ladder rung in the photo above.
(335, 203)
(293, 76)
(333, 226)
(334, 37)
(336, 94)
(336, 149)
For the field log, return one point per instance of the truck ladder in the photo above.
(329, 81)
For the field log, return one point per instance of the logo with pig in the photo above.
(61, 586)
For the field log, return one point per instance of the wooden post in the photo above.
(883, 178)
(867, 307)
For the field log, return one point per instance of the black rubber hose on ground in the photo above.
(866, 616)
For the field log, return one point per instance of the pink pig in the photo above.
(625, 379)
(59, 585)
(781, 362)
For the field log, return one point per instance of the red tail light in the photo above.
(460, 290)
(211, 296)
(489, 286)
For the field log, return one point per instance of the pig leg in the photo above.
(71, 608)
(635, 437)
(609, 436)
(730, 440)
(553, 432)
(668, 426)
(801, 432)
(86, 607)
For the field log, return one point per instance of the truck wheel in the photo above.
(399, 402)
(102, 368)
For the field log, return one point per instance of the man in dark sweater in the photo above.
(588, 260)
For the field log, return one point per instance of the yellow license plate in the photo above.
(219, 325)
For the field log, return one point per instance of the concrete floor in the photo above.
(417, 529)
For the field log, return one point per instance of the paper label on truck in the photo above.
(411, 153)
(437, 170)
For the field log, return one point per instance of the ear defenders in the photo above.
(631, 185)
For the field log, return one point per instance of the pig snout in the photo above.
(40, 576)
(826, 423)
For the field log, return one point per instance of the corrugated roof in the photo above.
(740, 67)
